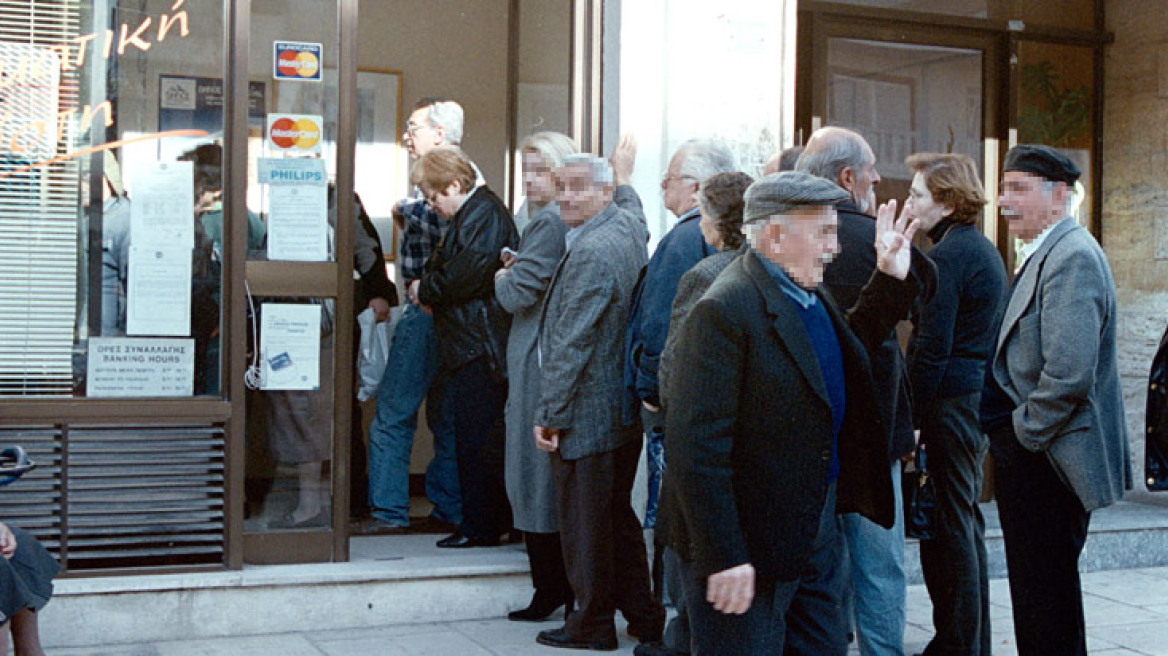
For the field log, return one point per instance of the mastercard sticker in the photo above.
(295, 60)
(295, 132)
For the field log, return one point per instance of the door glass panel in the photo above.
(1056, 106)
(1071, 13)
(290, 419)
(906, 98)
(111, 120)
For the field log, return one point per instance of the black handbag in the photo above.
(920, 498)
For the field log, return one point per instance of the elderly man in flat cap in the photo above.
(1052, 404)
(771, 435)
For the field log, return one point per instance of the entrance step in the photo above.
(393, 580)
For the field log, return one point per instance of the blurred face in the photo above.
(446, 202)
(1027, 206)
(422, 136)
(921, 207)
(678, 191)
(539, 182)
(710, 230)
(579, 197)
(803, 242)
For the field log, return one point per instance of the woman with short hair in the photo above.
(458, 287)
(954, 337)
(520, 288)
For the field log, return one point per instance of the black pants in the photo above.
(476, 400)
(548, 576)
(604, 549)
(954, 561)
(1044, 527)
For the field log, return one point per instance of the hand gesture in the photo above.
(7, 542)
(623, 158)
(547, 439)
(894, 241)
(380, 308)
(731, 591)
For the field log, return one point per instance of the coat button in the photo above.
(1153, 387)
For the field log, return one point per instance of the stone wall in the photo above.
(1135, 197)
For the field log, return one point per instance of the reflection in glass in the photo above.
(1078, 14)
(906, 98)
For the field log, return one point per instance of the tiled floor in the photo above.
(1127, 613)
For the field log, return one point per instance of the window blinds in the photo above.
(38, 205)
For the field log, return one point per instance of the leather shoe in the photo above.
(460, 541)
(646, 636)
(560, 638)
(541, 608)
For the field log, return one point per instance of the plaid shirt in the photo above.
(422, 233)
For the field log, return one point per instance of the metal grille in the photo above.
(124, 497)
(38, 202)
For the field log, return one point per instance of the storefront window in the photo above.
(111, 222)
(1078, 14)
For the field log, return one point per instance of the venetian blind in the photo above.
(38, 202)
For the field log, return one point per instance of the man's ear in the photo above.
(440, 130)
(847, 179)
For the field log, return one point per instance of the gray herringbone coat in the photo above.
(1056, 360)
(582, 334)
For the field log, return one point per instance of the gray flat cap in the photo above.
(789, 190)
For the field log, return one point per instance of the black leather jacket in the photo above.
(459, 283)
(1156, 453)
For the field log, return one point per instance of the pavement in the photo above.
(1126, 610)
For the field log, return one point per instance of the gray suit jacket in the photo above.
(582, 334)
(1056, 360)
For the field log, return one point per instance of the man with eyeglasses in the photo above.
(681, 248)
(413, 357)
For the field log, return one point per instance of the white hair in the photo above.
(552, 146)
(706, 157)
(448, 114)
(598, 167)
(831, 150)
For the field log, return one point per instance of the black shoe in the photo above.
(459, 541)
(540, 609)
(656, 649)
(558, 638)
(646, 636)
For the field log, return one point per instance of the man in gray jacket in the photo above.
(1052, 404)
(578, 419)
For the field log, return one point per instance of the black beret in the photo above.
(1042, 161)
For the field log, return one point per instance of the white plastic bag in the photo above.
(374, 353)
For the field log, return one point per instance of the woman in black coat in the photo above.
(458, 289)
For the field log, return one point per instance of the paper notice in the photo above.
(290, 346)
(159, 291)
(136, 367)
(298, 223)
(163, 211)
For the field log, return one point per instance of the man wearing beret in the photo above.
(771, 435)
(1052, 404)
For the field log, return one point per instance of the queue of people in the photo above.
(757, 354)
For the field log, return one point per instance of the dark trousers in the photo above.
(548, 575)
(476, 400)
(1044, 527)
(954, 561)
(804, 617)
(603, 547)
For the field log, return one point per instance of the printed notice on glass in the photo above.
(298, 223)
(135, 367)
(163, 211)
(159, 291)
(290, 346)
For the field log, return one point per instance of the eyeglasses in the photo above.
(413, 128)
(668, 177)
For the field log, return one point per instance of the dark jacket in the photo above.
(1156, 459)
(459, 283)
(844, 278)
(749, 436)
(680, 249)
(956, 330)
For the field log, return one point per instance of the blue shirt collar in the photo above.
(805, 299)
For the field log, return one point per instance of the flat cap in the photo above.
(1042, 161)
(789, 190)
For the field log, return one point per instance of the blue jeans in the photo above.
(409, 376)
(803, 617)
(653, 424)
(878, 584)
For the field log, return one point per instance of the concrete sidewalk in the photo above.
(1127, 613)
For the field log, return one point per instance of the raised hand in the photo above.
(623, 159)
(894, 241)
